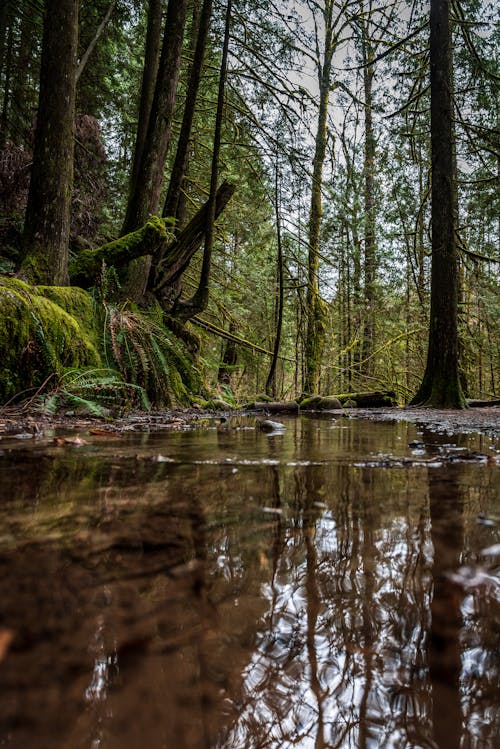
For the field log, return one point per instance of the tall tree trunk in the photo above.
(47, 222)
(271, 377)
(369, 201)
(441, 383)
(149, 73)
(144, 198)
(4, 115)
(198, 302)
(171, 207)
(316, 312)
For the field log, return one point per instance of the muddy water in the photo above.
(327, 586)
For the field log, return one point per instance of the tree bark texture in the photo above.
(47, 222)
(441, 383)
(145, 196)
(185, 310)
(149, 73)
(171, 207)
(369, 200)
(316, 312)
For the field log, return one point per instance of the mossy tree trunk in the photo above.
(149, 74)
(47, 222)
(185, 310)
(441, 382)
(154, 238)
(144, 199)
(369, 204)
(173, 201)
(280, 295)
(315, 306)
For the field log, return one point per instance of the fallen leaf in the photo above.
(6, 637)
(74, 441)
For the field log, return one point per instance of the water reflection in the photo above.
(257, 591)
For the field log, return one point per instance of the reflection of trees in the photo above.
(339, 660)
(284, 605)
(446, 510)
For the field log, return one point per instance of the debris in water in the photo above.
(73, 441)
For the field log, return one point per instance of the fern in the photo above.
(145, 352)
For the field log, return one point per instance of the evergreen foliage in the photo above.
(358, 308)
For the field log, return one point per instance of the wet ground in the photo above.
(331, 584)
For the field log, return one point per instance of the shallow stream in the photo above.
(334, 584)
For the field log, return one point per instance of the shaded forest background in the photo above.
(318, 269)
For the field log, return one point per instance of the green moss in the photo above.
(217, 404)
(201, 402)
(310, 403)
(39, 338)
(85, 268)
(76, 302)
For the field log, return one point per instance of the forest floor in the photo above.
(22, 424)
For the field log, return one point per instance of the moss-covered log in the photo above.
(85, 268)
(274, 407)
(371, 399)
(171, 256)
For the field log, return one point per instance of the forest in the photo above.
(207, 203)
(249, 374)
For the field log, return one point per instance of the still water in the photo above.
(330, 585)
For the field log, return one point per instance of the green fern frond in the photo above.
(145, 352)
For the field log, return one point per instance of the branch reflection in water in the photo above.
(253, 591)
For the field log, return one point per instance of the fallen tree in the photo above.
(370, 399)
(273, 407)
(171, 254)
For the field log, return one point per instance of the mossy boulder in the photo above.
(328, 403)
(43, 330)
(310, 403)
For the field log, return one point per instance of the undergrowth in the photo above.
(95, 392)
(145, 352)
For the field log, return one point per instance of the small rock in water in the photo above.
(270, 426)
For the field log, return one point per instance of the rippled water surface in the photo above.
(325, 586)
